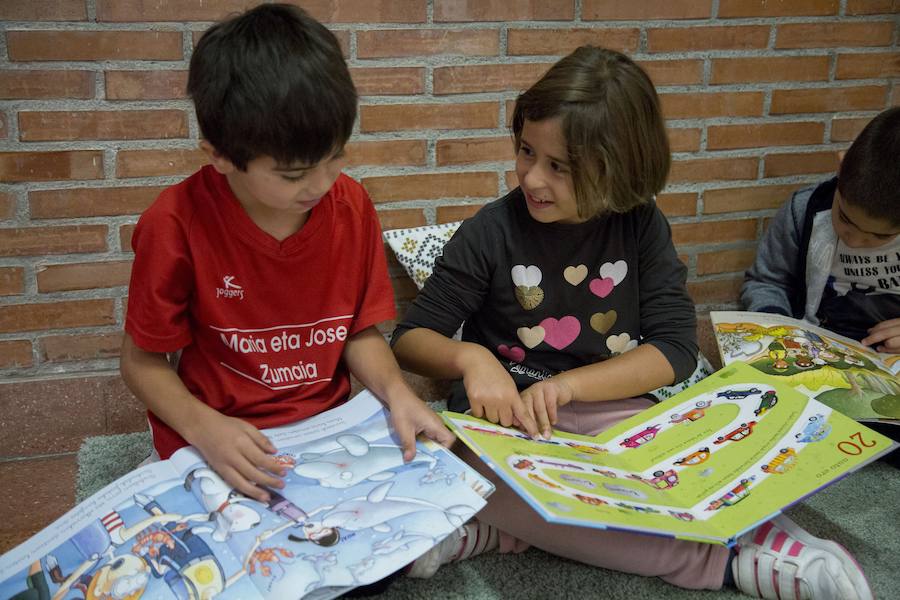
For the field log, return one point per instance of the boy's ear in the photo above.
(841, 155)
(216, 159)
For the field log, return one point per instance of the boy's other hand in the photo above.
(493, 394)
(240, 454)
(885, 336)
(410, 416)
(543, 398)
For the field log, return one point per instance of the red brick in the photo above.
(125, 233)
(91, 202)
(769, 68)
(707, 232)
(456, 212)
(83, 276)
(682, 204)
(389, 43)
(396, 117)
(720, 104)
(102, 125)
(563, 41)
(7, 206)
(57, 315)
(49, 496)
(465, 151)
(146, 85)
(487, 78)
(713, 169)
(28, 85)
(895, 96)
(94, 45)
(366, 11)
(386, 152)
(726, 137)
(401, 218)
(431, 185)
(65, 348)
(800, 163)
(43, 10)
(50, 166)
(503, 10)
(152, 163)
(681, 39)
(511, 180)
(740, 199)
(833, 99)
(386, 81)
(725, 261)
(645, 10)
(62, 239)
(673, 72)
(139, 10)
(833, 35)
(716, 291)
(15, 353)
(684, 139)
(872, 7)
(879, 65)
(776, 8)
(846, 130)
(12, 281)
(4, 126)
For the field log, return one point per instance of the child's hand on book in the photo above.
(410, 416)
(241, 455)
(543, 398)
(493, 394)
(885, 336)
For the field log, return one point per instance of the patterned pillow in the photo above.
(417, 248)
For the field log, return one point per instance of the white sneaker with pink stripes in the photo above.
(781, 561)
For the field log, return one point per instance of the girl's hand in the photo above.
(493, 394)
(240, 454)
(410, 416)
(886, 335)
(543, 398)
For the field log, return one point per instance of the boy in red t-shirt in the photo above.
(265, 268)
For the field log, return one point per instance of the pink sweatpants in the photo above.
(685, 564)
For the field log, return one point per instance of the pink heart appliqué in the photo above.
(513, 353)
(561, 333)
(602, 287)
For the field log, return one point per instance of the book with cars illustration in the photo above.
(351, 512)
(837, 371)
(708, 464)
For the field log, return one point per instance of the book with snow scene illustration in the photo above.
(837, 371)
(351, 513)
(708, 464)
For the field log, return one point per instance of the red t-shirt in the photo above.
(262, 323)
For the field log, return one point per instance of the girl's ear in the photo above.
(216, 159)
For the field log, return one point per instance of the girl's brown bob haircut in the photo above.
(614, 129)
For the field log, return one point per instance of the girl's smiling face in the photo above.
(544, 172)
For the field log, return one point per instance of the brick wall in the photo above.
(760, 95)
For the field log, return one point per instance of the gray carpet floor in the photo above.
(862, 512)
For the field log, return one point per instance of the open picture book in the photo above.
(837, 371)
(708, 464)
(351, 513)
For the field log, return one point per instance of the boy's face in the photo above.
(544, 173)
(858, 229)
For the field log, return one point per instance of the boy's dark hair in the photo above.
(272, 82)
(869, 176)
(614, 129)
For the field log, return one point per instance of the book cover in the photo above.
(837, 371)
(708, 464)
(351, 513)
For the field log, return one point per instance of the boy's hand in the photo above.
(240, 454)
(885, 336)
(493, 394)
(410, 416)
(543, 398)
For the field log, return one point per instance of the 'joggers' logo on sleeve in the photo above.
(231, 289)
